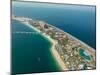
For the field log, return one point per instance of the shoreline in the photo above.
(54, 52)
(57, 56)
(60, 62)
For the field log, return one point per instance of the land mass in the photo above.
(69, 52)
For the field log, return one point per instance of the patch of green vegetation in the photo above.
(52, 35)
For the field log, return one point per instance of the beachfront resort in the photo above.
(68, 51)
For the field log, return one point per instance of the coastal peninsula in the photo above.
(68, 51)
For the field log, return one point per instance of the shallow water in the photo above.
(31, 52)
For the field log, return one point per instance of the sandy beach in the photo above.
(53, 50)
(57, 56)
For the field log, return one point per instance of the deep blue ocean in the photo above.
(31, 53)
(77, 20)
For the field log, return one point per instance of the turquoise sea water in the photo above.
(31, 52)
